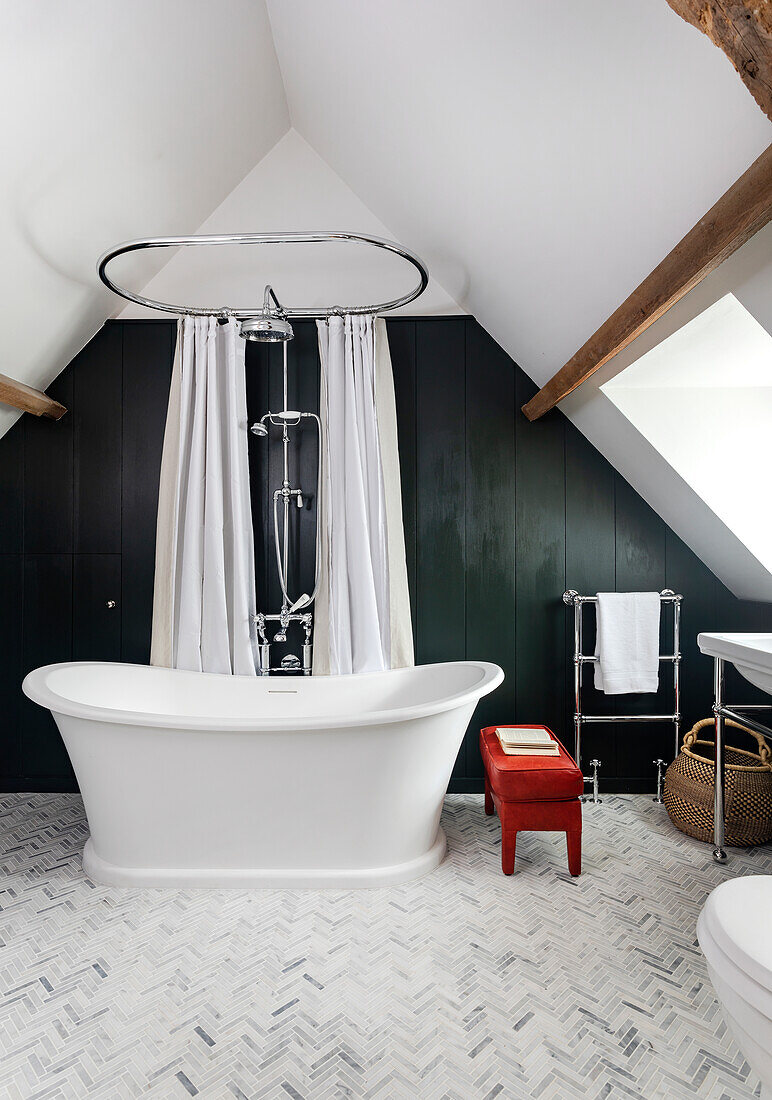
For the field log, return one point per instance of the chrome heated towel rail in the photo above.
(667, 596)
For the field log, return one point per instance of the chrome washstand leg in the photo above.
(659, 764)
(677, 676)
(719, 853)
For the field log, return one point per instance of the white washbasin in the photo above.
(751, 655)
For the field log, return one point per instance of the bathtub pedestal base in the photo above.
(187, 878)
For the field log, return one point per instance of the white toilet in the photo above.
(735, 934)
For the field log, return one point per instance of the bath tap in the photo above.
(284, 618)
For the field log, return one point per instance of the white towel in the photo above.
(627, 642)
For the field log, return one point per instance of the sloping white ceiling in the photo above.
(542, 158)
(119, 120)
(291, 188)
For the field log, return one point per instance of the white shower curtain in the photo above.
(204, 596)
(362, 618)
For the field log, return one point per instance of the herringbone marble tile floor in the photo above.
(462, 985)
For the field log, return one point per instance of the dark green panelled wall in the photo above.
(500, 517)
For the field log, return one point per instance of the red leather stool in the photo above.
(532, 794)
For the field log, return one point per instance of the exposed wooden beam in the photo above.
(744, 209)
(743, 30)
(29, 400)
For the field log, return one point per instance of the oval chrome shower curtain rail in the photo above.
(261, 238)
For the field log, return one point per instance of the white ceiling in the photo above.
(291, 188)
(119, 120)
(542, 159)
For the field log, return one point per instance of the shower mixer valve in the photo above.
(284, 621)
(286, 494)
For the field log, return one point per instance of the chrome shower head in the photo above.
(258, 428)
(266, 329)
(268, 326)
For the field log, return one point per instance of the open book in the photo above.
(527, 741)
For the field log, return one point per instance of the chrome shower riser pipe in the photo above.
(285, 484)
(292, 611)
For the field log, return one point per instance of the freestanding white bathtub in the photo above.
(197, 779)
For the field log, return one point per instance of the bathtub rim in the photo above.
(35, 687)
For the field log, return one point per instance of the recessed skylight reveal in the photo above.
(703, 399)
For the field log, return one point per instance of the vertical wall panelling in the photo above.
(11, 490)
(590, 568)
(640, 543)
(96, 627)
(148, 349)
(48, 483)
(741, 615)
(640, 563)
(500, 517)
(440, 625)
(686, 573)
(273, 451)
(11, 664)
(97, 401)
(303, 387)
(541, 566)
(46, 638)
(490, 525)
(258, 360)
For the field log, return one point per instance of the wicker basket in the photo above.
(688, 789)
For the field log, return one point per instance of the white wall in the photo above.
(292, 188)
(119, 120)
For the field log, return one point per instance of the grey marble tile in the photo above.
(464, 984)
